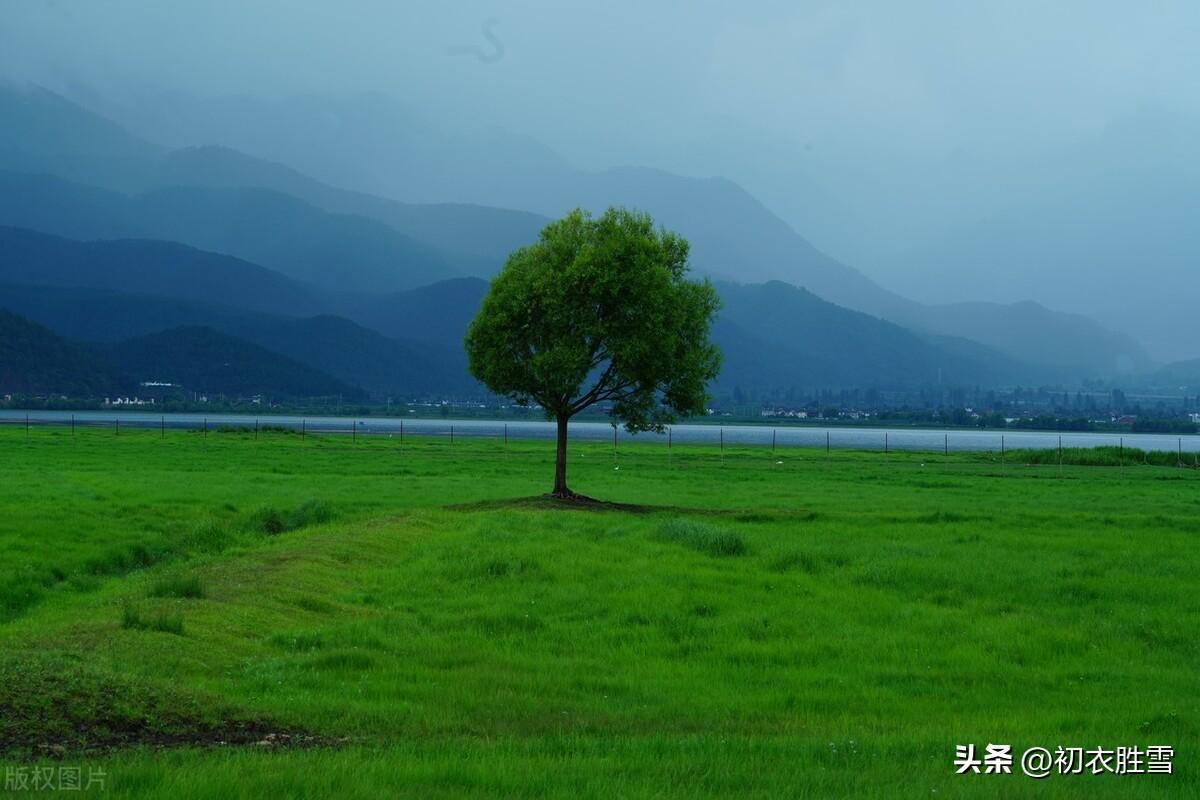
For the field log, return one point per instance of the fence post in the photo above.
(773, 441)
(826, 442)
(885, 443)
(402, 431)
(303, 428)
(451, 434)
(354, 430)
(162, 427)
(1001, 448)
(27, 425)
(506, 436)
(206, 427)
(947, 450)
(1181, 452)
(256, 430)
(72, 424)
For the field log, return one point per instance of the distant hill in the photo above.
(38, 122)
(437, 313)
(339, 252)
(382, 149)
(474, 239)
(345, 350)
(1179, 376)
(149, 267)
(108, 316)
(51, 135)
(813, 343)
(1106, 225)
(204, 360)
(1068, 345)
(733, 236)
(383, 366)
(45, 132)
(36, 361)
(773, 335)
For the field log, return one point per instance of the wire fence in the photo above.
(1029, 447)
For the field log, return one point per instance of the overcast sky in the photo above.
(868, 126)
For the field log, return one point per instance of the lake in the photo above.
(707, 433)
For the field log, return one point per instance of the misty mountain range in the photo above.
(1098, 228)
(129, 248)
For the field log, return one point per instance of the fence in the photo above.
(1050, 447)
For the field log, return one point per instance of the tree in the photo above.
(598, 310)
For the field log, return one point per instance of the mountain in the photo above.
(371, 144)
(45, 132)
(1104, 227)
(35, 361)
(814, 343)
(52, 205)
(204, 360)
(471, 239)
(474, 239)
(733, 235)
(1068, 345)
(382, 366)
(148, 267)
(367, 141)
(439, 312)
(1179, 376)
(334, 251)
(773, 335)
(345, 350)
(40, 121)
(110, 291)
(108, 316)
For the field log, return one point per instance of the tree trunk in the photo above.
(560, 461)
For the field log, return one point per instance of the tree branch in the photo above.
(617, 392)
(593, 394)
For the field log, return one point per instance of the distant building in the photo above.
(128, 401)
(783, 412)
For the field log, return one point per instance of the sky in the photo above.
(877, 129)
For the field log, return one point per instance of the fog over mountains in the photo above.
(350, 222)
(109, 237)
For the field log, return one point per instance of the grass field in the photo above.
(229, 617)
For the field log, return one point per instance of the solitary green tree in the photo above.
(598, 310)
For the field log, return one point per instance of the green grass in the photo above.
(188, 586)
(406, 622)
(703, 537)
(162, 621)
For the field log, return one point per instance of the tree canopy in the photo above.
(598, 310)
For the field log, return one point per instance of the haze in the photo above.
(985, 151)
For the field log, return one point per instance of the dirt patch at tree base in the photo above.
(550, 502)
